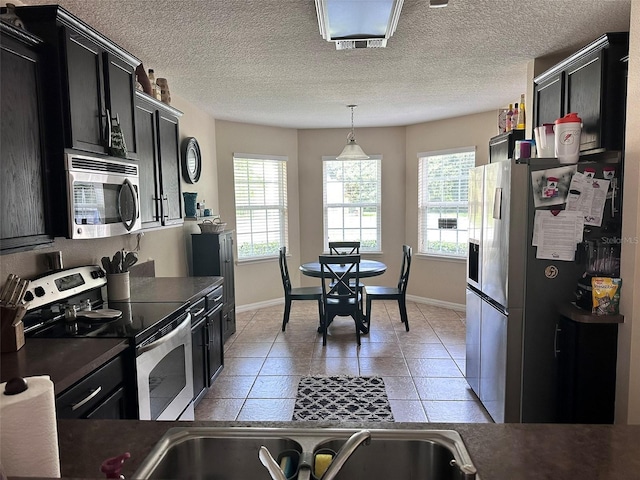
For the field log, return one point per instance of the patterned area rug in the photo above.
(343, 399)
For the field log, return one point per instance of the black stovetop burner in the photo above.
(137, 322)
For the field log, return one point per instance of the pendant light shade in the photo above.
(352, 151)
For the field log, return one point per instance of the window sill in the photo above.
(246, 261)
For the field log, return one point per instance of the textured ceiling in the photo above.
(265, 62)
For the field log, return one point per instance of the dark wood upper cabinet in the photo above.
(588, 83)
(89, 80)
(159, 161)
(23, 224)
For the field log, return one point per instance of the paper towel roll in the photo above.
(28, 430)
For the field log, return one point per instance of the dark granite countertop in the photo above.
(65, 360)
(171, 289)
(499, 451)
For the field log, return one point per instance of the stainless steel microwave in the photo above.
(103, 196)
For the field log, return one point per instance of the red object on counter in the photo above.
(111, 467)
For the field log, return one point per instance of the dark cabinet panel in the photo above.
(86, 108)
(584, 89)
(549, 98)
(588, 83)
(157, 131)
(120, 99)
(587, 355)
(148, 166)
(170, 168)
(22, 187)
(199, 345)
(213, 256)
(102, 394)
(216, 345)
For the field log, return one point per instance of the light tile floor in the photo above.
(422, 369)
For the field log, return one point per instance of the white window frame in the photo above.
(377, 204)
(251, 196)
(428, 209)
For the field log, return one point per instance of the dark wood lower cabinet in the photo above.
(101, 394)
(587, 355)
(206, 342)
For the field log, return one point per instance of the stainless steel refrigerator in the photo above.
(512, 297)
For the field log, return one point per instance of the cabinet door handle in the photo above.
(556, 351)
(88, 398)
(195, 314)
(108, 128)
(165, 213)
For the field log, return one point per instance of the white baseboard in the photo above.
(255, 306)
(437, 303)
(427, 301)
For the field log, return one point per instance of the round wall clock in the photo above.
(191, 160)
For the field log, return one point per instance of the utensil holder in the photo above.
(11, 328)
(118, 287)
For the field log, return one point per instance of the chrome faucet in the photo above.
(345, 452)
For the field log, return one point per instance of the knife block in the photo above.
(11, 328)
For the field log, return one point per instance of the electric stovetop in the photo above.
(137, 321)
(49, 296)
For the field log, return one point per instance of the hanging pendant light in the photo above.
(352, 151)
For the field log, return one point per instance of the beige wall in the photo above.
(388, 142)
(258, 281)
(431, 278)
(628, 379)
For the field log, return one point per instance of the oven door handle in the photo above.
(173, 333)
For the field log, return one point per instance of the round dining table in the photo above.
(368, 268)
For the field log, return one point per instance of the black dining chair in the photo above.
(398, 293)
(347, 248)
(344, 248)
(297, 293)
(339, 296)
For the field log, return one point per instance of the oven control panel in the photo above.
(62, 284)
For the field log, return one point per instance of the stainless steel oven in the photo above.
(103, 196)
(164, 372)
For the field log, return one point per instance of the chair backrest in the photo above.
(338, 269)
(407, 251)
(284, 270)
(344, 248)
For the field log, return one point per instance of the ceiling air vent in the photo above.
(371, 43)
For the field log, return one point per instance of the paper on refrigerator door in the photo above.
(588, 195)
(556, 236)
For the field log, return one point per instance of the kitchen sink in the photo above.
(232, 453)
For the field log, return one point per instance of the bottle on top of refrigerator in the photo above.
(514, 118)
(521, 117)
(152, 80)
(509, 121)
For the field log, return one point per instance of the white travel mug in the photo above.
(567, 141)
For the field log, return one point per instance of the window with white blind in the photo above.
(261, 204)
(443, 212)
(352, 201)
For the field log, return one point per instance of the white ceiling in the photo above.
(265, 62)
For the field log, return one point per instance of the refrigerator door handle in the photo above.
(497, 203)
(556, 351)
